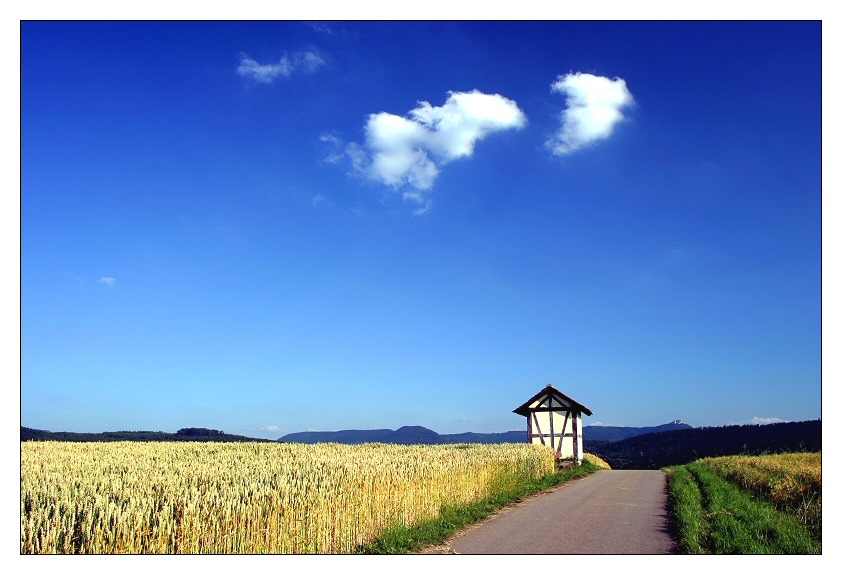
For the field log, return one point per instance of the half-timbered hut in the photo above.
(554, 419)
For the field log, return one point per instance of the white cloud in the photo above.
(107, 281)
(594, 105)
(425, 203)
(320, 201)
(307, 62)
(759, 421)
(270, 428)
(336, 143)
(331, 138)
(321, 27)
(264, 73)
(767, 420)
(408, 151)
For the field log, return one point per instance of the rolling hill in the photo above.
(656, 450)
(413, 434)
(407, 435)
(614, 433)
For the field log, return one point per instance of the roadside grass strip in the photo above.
(401, 539)
(688, 517)
(731, 520)
(791, 481)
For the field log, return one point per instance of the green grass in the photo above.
(712, 515)
(688, 516)
(408, 539)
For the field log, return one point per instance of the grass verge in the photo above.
(713, 515)
(688, 516)
(792, 482)
(408, 539)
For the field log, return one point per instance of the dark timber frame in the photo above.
(550, 400)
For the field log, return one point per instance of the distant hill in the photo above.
(656, 450)
(185, 434)
(614, 433)
(407, 435)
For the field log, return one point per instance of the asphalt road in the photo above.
(608, 512)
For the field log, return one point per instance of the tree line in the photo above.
(183, 434)
(657, 450)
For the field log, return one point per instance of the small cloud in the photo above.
(767, 420)
(107, 281)
(417, 197)
(331, 138)
(594, 105)
(264, 73)
(759, 421)
(337, 153)
(308, 62)
(357, 154)
(305, 62)
(272, 432)
(321, 27)
(320, 201)
(408, 151)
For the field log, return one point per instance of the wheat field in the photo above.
(156, 497)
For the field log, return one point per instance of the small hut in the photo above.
(554, 419)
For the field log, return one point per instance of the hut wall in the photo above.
(553, 422)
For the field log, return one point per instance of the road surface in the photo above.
(608, 512)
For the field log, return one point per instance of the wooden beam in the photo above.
(529, 430)
(563, 429)
(575, 439)
(540, 433)
(552, 431)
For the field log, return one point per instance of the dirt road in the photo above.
(608, 512)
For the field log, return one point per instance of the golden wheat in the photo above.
(130, 497)
(598, 461)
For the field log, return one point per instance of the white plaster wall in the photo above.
(558, 428)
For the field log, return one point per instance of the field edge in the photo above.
(429, 534)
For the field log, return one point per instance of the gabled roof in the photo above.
(553, 392)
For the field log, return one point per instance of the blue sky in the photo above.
(269, 227)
